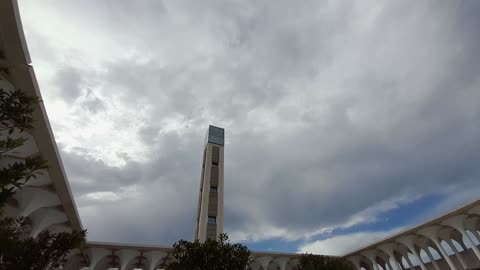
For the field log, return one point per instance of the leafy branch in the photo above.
(46, 251)
(16, 110)
(18, 251)
(16, 174)
(211, 255)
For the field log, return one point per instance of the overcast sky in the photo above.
(345, 120)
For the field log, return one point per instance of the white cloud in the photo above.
(103, 196)
(366, 216)
(124, 193)
(341, 244)
(335, 112)
(370, 214)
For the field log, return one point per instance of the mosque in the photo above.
(447, 242)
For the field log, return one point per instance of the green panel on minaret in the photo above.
(215, 135)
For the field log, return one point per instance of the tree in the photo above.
(46, 251)
(15, 116)
(320, 262)
(211, 255)
(18, 250)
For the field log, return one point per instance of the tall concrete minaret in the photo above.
(210, 201)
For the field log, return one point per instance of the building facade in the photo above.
(448, 242)
(209, 222)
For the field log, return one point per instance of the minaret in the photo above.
(210, 200)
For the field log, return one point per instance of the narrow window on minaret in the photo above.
(212, 220)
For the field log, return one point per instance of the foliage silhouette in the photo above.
(211, 255)
(19, 250)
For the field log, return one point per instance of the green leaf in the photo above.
(211, 255)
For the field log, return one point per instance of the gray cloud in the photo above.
(329, 108)
(71, 83)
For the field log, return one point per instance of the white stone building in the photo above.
(448, 242)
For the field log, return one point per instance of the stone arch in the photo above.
(45, 217)
(138, 262)
(426, 246)
(474, 235)
(104, 263)
(74, 261)
(255, 266)
(405, 262)
(94, 256)
(32, 198)
(384, 259)
(164, 262)
(423, 255)
(366, 264)
(42, 179)
(127, 258)
(451, 249)
(446, 246)
(273, 265)
(459, 245)
(279, 263)
(154, 258)
(381, 262)
(435, 252)
(28, 148)
(264, 261)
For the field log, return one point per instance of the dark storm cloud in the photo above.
(71, 83)
(330, 109)
(165, 219)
